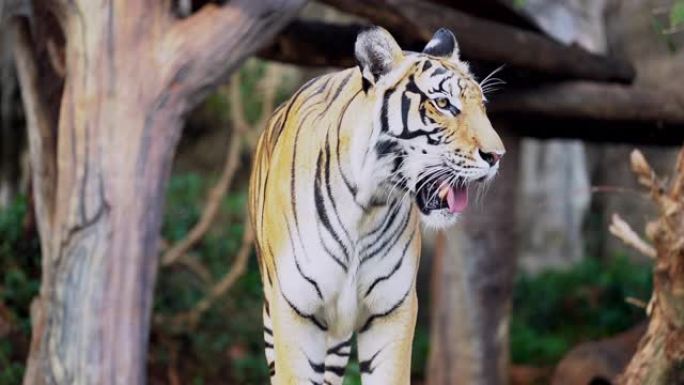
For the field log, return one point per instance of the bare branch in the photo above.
(621, 229)
(237, 108)
(678, 182)
(210, 210)
(636, 302)
(206, 46)
(645, 174)
(236, 271)
(413, 23)
(41, 127)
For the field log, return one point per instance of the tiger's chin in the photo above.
(439, 219)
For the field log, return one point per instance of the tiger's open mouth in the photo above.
(438, 195)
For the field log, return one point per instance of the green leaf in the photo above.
(677, 14)
(519, 3)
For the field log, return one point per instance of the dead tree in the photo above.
(659, 359)
(105, 87)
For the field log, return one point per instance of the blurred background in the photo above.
(530, 288)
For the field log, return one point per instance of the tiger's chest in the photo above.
(375, 272)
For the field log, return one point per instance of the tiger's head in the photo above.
(434, 138)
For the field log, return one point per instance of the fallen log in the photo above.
(594, 112)
(413, 23)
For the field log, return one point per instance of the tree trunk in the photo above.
(101, 163)
(472, 285)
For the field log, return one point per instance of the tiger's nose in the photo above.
(490, 157)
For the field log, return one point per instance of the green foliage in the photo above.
(19, 283)
(556, 310)
(518, 4)
(353, 374)
(677, 14)
(229, 335)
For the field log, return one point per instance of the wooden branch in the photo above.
(592, 101)
(494, 10)
(413, 23)
(313, 43)
(214, 199)
(41, 122)
(236, 271)
(621, 230)
(205, 47)
(593, 112)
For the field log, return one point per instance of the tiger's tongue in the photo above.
(457, 199)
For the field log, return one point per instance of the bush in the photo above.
(20, 272)
(556, 310)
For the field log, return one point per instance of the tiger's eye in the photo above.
(442, 102)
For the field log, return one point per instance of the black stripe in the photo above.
(330, 253)
(396, 267)
(326, 180)
(335, 349)
(352, 189)
(384, 114)
(405, 105)
(373, 317)
(310, 280)
(322, 212)
(388, 218)
(318, 368)
(310, 317)
(367, 365)
(390, 239)
(336, 370)
(268, 345)
(268, 331)
(330, 101)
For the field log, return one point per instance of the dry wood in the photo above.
(624, 232)
(659, 359)
(494, 10)
(413, 23)
(595, 101)
(593, 112)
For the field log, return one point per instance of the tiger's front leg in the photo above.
(384, 344)
(299, 343)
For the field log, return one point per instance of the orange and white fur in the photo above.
(343, 175)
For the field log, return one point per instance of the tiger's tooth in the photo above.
(443, 191)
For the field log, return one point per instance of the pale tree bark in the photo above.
(472, 283)
(101, 158)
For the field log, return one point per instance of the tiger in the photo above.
(343, 175)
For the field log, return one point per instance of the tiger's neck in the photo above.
(370, 171)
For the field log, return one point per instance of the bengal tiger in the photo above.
(343, 174)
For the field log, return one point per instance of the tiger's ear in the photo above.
(377, 53)
(442, 44)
